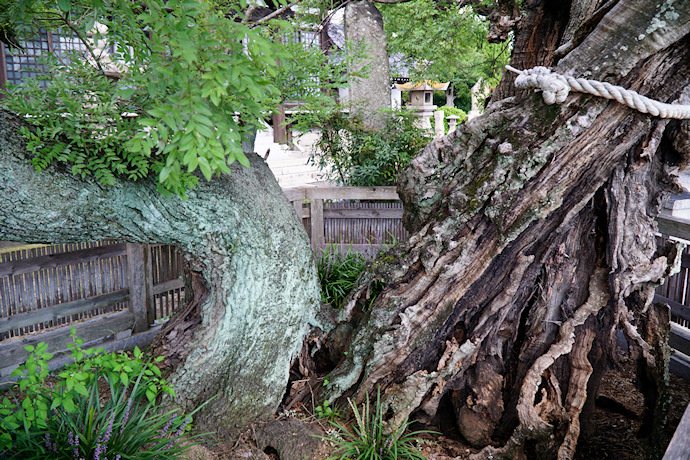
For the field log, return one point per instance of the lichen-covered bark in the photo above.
(532, 245)
(242, 239)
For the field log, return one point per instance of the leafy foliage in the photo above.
(79, 128)
(368, 439)
(73, 418)
(444, 41)
(355, 155)
(325, 410)
(195, 80)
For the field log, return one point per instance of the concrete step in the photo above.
(297, 179)
(293, 169)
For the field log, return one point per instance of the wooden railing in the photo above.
(679, 447)
(676, 290)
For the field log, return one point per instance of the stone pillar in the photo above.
(439, 131)
(479, 92)
(364, 24)
(396, 98)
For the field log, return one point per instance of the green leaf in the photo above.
(81, 389)
(242, 159)
(124, 378)
(64, 5)
(164, 174)
(205, 168)
(68, 404)
(56, 403)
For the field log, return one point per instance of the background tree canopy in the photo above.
(445, 41)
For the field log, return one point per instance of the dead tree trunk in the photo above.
(533, 244)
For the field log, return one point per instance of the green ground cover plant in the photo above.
(338, 273)
(103, 405)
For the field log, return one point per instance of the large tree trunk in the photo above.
(532, 246)
(255, 282)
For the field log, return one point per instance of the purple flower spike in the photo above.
(167, 426)
(126, 416)
(179, 431)
(109, 431)
(73, 440)
(99, 451)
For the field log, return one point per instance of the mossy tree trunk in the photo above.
(253, 275)
(533, 244)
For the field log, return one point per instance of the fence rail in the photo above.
(675, 291)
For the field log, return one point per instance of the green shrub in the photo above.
(367, 440)
(102, 405)
(351, 154)
(448, 110)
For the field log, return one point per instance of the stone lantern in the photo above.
(422, 99)
(452, 122)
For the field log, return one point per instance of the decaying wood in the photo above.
(172, 342)
(532, 245)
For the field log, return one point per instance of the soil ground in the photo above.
(614, 433)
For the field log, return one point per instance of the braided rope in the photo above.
(555, 88)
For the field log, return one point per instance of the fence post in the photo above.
(316, 211)
(140, 277)
(297, 204)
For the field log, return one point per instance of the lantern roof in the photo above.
(426, 85)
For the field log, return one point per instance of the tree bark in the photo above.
(254, 279)
(533, 244)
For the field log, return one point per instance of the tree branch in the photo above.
(73, 28)
(274, 14)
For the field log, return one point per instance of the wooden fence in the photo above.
(356, 218)
(104, 289)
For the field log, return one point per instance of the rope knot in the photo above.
(553, 86)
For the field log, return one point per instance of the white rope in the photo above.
(555, 88)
